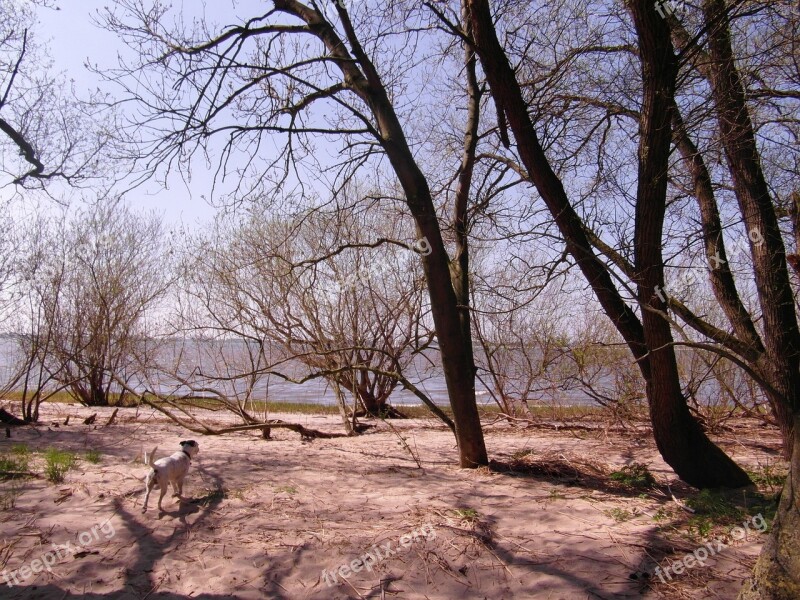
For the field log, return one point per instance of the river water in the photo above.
(224, 361)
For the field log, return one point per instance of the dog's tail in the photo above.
(150, 459)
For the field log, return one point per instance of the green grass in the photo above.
(635, 475)
(62, 397)
(713, 509)
(545, 411)
(8, 496)
(769, 477)
(520, 454)
(717, 510)
(287, 489)
(716, 505)
(20, 450)
(17, 461)
(470, 515)
(309, 408)
(12, 464)
(93, 456)
(619, 515)
(57, 463)
(661, 515)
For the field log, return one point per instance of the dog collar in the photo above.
(189, 456)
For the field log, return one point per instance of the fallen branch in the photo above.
(9, 419)
(679, 503)
(204, 429)
(111, 419)
(277, 423)
(11, 474)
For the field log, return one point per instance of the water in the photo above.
(198, 366)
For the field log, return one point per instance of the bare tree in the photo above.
(92, 278)
(354, 317)
(707, 48)
(294, 74)
(677, 434)
(46, 132)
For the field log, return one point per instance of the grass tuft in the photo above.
(57, 463)
(9, 465)
(634, 475)
(93, 456)
(470, 515)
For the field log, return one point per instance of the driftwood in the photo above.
(9, 419)
(90, 420)
(111, 419)
(12, 474)
(305, 432)
(196, 426)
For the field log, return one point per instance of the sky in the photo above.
(73, 38)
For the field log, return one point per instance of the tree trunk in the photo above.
(342, 404)
(373, 405)
(777, 573)
(781, 365)
(698, 461)
(680, 439)
(363, 79)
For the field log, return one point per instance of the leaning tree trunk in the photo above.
(362, 78)
(698, 461)
(683, 444)
(781, 364)
(342, 404)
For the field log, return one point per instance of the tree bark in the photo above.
(698, 461)
(777, 572)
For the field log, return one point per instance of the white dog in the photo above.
(169, 470)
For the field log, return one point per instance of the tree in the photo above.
(92, 279)
(681, 441)
(46, 133)
(777, 572)
(354, 317)
(266, 77)
(33, 319)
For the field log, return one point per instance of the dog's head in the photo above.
(190, 447)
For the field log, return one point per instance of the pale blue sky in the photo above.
(73, 39)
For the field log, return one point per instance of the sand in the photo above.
(264, 518)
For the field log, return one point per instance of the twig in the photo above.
(679, 503)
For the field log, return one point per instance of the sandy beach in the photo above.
(360, 518)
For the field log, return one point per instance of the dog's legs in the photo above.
(163, 485)
(149, 484)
